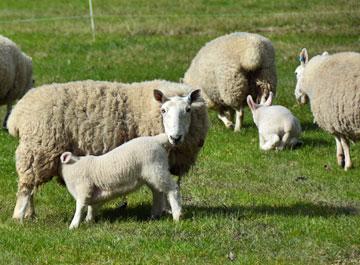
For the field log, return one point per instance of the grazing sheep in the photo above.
(231, 67)
(278, 127)
(93, 180)
(94, 117)
(15, 74)
(332, 84)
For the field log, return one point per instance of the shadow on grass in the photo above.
(309, 126)
(142, 212)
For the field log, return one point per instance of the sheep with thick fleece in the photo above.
(94, 117)
(15, 74)
(230, 68)
(332, 84)
(278, 127)
(93, 180)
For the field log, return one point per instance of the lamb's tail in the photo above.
(12, 124)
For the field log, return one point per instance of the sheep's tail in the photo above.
(12, 125)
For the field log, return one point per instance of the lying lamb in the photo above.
(93, 180)
(278, 127)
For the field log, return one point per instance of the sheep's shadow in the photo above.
(142, 212)
(309, 126)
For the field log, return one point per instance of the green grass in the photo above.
(290, 207)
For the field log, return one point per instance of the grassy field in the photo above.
(290, 207)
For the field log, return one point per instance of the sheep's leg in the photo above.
(223, 116)
(239, 119)
(158, 204)
(270, 142)
(22, 202)
(284, 141)
(77, 216)
(339, 152)
(8, 110)
(345, 144)
(30, 209)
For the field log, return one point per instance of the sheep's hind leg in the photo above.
(346, 146)
(22, 201)
(339, 152)
(239, 117)
(30, 209)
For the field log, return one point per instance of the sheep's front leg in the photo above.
(339, 152)
(77, 216)
(158, 204)
(345, 145)
(223, 116)
(239, 117)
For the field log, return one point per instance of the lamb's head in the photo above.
(176, 114)
(300, 95)
(254, 107)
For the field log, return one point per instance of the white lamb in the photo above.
(93, 180)
(278, 127)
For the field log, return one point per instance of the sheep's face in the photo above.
(176, 114)
(300, 96)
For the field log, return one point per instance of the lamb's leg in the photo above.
(223, 116)
(284, 141)
(8, 110)
(345, 145)
(77, 216)
(158, 204)
(270, 142)
(175, 203)
(339, 152)
(91, 211)
(239, 119)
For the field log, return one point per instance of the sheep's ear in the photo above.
(65, 158)
(268, 102)
(159, 96)
(251, 103)
(194, 95)
(304, 58)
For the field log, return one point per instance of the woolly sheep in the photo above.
(278, 127)
(93, 180)
(92, 118)
(229, 68)
(332, 84)
(15, 74)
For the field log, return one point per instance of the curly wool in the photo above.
(94, 117)
(15, 72)
(230, 67)
(332, 83)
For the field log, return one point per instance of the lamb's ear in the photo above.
(159, 96)
(251, 103)
(304, 58)
(65, 158)
(194, 95)
(268, 102)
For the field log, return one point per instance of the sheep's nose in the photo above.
(176, 138)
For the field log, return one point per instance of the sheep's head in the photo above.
(301, 97)
(176, 114)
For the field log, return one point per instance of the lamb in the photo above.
(278, 127)
(332, 84)
(15, 74)
(229, 68)
(94, 117)
(93, 180)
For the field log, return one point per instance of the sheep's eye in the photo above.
(187, 109)
(163, 111)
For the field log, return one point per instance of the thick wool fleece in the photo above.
(332, 83)
(229, 68)
(15, 72)
(94, 117)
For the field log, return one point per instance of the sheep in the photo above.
(332, 84)
(278, 127)
(92, 118)
(93, 180)
(229, 68)
(15, 74)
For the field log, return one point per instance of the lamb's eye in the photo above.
(163, 111)
(187, 109)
